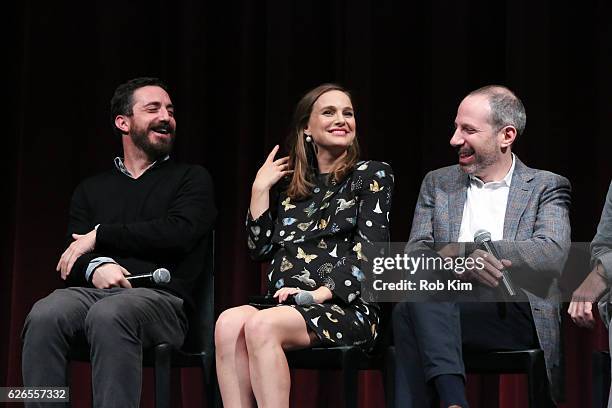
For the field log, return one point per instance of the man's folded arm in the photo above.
(79, 275)
(80, 220)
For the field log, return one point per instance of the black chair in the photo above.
(530, 362)
(198, 348)
(601, 378)
(350, 360)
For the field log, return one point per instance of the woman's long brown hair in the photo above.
(302, 155)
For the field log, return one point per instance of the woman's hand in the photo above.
(283, 293)
(319, 295)
(268, 175)
(270, 172)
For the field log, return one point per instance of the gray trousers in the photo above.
(117, 324)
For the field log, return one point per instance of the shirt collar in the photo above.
(121, 167)
(505, 182)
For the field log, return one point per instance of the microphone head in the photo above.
(161, 275)
(481, 236)
(303, 298)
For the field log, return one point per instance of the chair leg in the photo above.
(350, 377)
(601, 379)
(163, 355)
(389, 377)
(537, 384)
(211, 385)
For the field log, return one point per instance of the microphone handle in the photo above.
(132, 277)
(508, 285)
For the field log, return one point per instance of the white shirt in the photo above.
(485, 207)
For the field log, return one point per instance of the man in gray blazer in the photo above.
(598, 280)
(526, 212)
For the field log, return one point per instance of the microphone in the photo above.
(483, 237)
(303, 298)
(160, 275)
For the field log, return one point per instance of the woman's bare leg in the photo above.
(232, 358)
(268, 334)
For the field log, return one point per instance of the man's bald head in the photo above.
(506, 108)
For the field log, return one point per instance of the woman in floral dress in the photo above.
(316, 215)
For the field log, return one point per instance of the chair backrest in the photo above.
(200, 336)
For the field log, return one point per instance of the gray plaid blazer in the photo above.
(536, 237)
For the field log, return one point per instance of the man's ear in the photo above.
(122, 123)
(508, 136)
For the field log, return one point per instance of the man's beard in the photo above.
(154, 151)
(482, 159)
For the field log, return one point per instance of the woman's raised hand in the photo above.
(271, 171)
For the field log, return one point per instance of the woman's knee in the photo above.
(230, 326)
(261, 328)
(276, 326)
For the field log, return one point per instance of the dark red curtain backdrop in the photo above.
(236, 69)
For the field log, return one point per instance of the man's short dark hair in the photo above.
(506, 108)
(122, 101)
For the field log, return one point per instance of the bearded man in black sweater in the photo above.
(146, 213)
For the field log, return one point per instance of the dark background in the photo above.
(236, 70)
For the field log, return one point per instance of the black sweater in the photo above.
(154, 221)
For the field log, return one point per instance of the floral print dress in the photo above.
(323, 241)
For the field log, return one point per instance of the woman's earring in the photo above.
(308, 139)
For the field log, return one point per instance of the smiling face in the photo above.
(332, 122)
(151, 126)
(478, 144)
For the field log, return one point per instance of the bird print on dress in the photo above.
(327, 195)
(304, 277)
(343, 204)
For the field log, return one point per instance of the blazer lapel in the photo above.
(456, 202)
(520, 191)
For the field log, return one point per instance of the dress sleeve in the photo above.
(259, 235)
(261, 230)
(372, 229)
